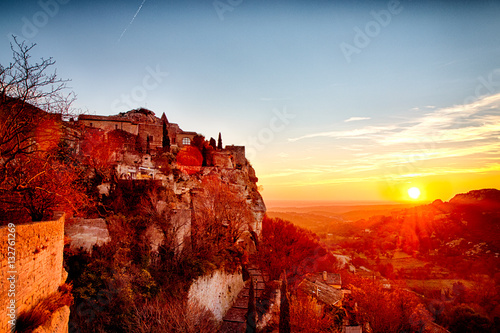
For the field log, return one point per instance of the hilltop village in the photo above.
(140, 146)
(130, 196)
(138, 135)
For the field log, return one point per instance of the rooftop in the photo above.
(323, 292)
(325, 277)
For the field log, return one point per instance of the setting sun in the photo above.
(414, 192)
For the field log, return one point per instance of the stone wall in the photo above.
(222, 159)
(152, 130)
(238, 153)
(217, 291)
(109, 124)
(273, 313)
(38, 267)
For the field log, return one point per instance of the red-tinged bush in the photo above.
(189, 159)
(286, 247)
(164, 315)
(41, 312)
(308, 315)
(463, 319)
(386, 310)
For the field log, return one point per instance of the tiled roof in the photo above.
(331, 278)
(323, 292)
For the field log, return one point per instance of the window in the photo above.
(116, 126)
(150, 138)
(186, 141)
(90, 124)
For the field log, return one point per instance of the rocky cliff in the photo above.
(220, 195)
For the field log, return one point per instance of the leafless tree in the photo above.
(30, 95)
(33, 103)
(157, 205)
(221, 215)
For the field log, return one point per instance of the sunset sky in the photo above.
(354, 100)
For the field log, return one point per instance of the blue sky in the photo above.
(284, 76)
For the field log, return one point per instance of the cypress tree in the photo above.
(166, 138)
(219, 142)
(213, 144)
(284, 326)
(251, 312)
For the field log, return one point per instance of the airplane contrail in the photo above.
(132, 20)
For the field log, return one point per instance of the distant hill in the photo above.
(489, 197)
(462, 234)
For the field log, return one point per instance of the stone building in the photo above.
(238, 153)
(142, 123)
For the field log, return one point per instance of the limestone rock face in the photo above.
(85, 233)
(236, 185)
(57, 323)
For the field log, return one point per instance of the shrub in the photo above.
(167, 315)
(40, 313)
(190, 159)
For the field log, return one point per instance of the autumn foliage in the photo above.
(190, 159)
(308, 315)
(286, 247)
(386, 308)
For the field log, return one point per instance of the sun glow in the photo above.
(414, 192)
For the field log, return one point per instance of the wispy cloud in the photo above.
(359, 133)
(475, 121)
(453, 140)
(356, 119)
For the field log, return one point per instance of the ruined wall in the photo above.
(153, 130)
(217, 291)
(38, 266)
(109, 124)
(172, 129)
(222, 159)
(238, 153)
